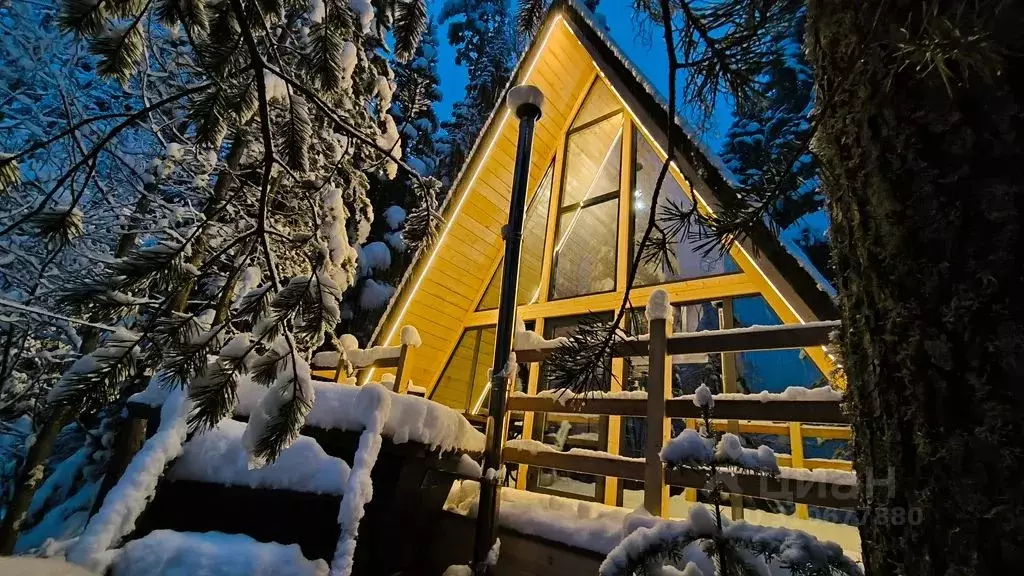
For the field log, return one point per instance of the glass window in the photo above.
(569, 430)
(684, 259)
(585, 248)
(771, 370)
(601, 101)
(532, 255)
(465, 375)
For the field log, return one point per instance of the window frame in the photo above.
(602, 198)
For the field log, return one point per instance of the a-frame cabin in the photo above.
(597, 152)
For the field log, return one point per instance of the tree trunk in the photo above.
(29, 480)
(924, 181)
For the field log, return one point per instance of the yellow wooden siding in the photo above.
(448, 289)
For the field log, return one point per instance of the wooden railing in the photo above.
(797, 419)
(400, 361)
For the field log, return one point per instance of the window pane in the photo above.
(566, 431)
(466, 372)
(685, 260)
(771, 370)
(532, 256)
(584, 259)
(592, 161)
(688, 370)
(600, 101)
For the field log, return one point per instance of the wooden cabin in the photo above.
(597, 152)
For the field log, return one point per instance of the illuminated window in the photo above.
(683, 258)
(584, 257)
(532, 255)
(465, 375)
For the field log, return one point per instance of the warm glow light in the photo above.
(579, 208)
(466, 190)
(675, 169)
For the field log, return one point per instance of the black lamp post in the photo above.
(526, 102)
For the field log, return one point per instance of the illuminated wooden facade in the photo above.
(597, 152)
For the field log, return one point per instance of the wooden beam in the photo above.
(596, 406)
(820, 411)
(796, 450)
(582, 463)
(697, 290)
(802, 492)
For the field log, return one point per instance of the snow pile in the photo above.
(156, 392)
(731, 451)
(703, 398)
(529, 340)
(688, 447)
(373, 403)
(218, 456)
(823, 475)
(793, 547)
(356, 356)
(535, 447)
(690, 570)
(395, 216)
(211, 554)
(411, 337)
(458, 570)
(632, 549)
(790, 394)
(659, 307)
(124, 503)
(377, 256)
(468, 467)
(375, 295)
(414, 389)
(587, 525)
(411, 419)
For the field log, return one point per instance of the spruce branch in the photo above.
(529, 16)
(120, 49)
(410, 22)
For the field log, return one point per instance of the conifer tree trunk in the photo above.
(925, 190)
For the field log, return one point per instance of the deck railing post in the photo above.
(402, 372)
(525, 101)
(659, 389)
(796, 448)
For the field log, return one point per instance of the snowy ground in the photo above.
(599, 528)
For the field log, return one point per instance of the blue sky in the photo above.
(646, 55)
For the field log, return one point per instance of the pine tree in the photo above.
(416, 94)
(482, 34)
(766, 148)
(289, 106)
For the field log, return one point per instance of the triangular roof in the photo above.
(561, 61)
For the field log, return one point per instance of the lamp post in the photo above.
(525, 102)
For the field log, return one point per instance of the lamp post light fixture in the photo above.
(525, 101)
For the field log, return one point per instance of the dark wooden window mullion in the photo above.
(594, 122)
(589, 202)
